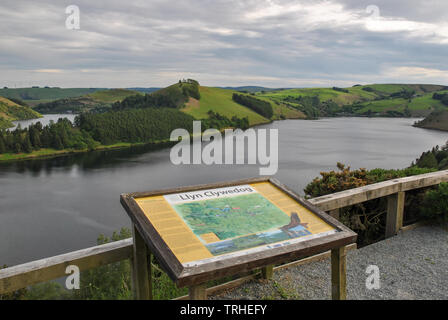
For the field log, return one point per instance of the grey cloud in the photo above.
(227, 42)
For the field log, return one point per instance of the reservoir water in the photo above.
(53, 206)
(45, 120)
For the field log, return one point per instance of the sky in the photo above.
(273, 43)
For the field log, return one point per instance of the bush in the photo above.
(368, 219)
(435, 204)
(109, 282)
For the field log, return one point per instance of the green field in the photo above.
(220, 101)
(375, 99)
(384, 105)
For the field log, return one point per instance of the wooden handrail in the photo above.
(378, 190)
(21, 276)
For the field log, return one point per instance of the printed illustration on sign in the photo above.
(228, 223)
(204, 225)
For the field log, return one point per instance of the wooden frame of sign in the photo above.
(149, 240)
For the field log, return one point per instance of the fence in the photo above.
(21, 276)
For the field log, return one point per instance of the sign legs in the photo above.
(338, 274)
(141, 268)
(267, 272)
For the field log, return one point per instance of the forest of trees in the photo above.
(146, 101)
(57, 135)
(261, 107)
(90, 130)
(134, 125)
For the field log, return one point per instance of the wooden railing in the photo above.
(21, 276)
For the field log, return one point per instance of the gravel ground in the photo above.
(412, 265)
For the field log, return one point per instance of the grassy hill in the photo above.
(220, 101)
(436, 120)
(372, 100)
(112, 95)
(34, 96)
(10, 111)
(99, 100)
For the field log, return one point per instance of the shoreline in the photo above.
(47, 153)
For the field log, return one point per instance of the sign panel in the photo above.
(208, 225)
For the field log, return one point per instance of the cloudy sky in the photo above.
(275, 43)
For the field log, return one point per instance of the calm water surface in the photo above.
(53, 206)
(45, 120)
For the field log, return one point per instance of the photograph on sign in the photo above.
(206, 225)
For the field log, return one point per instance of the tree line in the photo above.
(150, 125)
(261, 107)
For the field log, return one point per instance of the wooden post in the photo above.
(334, 213)
(338, 274)
(198, 292)
(141, 268)
(267, 272)
(395, 210)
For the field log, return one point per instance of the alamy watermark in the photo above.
(73, 280)
(228, 150)
(373, 280)
(73, 21)
(374, 11)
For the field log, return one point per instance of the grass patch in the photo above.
(220, 101)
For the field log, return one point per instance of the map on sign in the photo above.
(206, 224)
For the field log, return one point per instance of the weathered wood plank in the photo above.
(21, 276)
(378, 190)
(142, 273)
(395, 211)
(198, 292)
(335, 213)
(338, 274)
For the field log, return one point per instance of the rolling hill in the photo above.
(34, 96)
(370, 100)
(10, 111)
(98, 100)
(220, 101)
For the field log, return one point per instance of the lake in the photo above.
(45, 120)
(54, 206)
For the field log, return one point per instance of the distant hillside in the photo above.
(369, 100)
(436, 120)
(34, 96)
(250, 89)
(98, 100)
(144, 90)
(11, 111)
